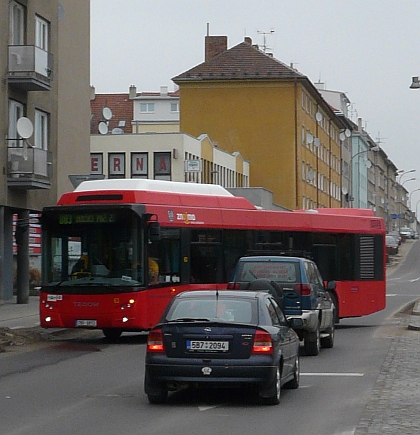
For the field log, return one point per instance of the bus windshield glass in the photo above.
(93, 249)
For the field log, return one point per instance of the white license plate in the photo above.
(89, 323)
(207, 346)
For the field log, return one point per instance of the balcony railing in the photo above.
(30, 68)
(29, 168)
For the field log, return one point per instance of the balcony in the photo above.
(29, 168)
(30, 68)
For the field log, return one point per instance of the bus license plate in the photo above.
(207, 346)
(89, 323)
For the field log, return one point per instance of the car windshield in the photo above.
(227, 310)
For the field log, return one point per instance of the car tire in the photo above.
(294, 383)
(158, 398)
(336, 314)
(328, 341)
(112, 334)
(274, 399)
(312, 343)
(157, 393)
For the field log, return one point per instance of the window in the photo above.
(147, 107)
(41, 33)
(41, 130)
(17, 24)
(162, 166)
(16, 111)
(174, 107)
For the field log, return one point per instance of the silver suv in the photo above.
(300, 290)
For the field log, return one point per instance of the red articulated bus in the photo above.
(115, 252)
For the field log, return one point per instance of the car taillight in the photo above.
(263, 344)
(233, 286)
(303, 289)
(155, 341)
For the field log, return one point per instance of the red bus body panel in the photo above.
(186, 210)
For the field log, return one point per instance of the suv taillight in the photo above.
(233, 286)
(303, 289)
(263, 344)
(155, 341)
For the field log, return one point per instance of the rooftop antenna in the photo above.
(265, 48)
(380, 139)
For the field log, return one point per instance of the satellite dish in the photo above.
(347, 132)
(24, 127)
(107, 113)
(368, 164)
(342, 136)
(318, 116)
(117, 130)
(344, 190)
(103, 128)
(317, 142)
(309, 138)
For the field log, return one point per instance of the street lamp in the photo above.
(409, 199)
(410, 179)
(374, 149)
(403, 173)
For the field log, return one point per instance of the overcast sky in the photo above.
(368, 49)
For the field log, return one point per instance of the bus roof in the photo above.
(153, 185)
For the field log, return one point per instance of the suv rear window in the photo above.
(279, 271)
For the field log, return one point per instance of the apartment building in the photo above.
(44, 121)
(246, 100)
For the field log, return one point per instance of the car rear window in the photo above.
(230, 310)
(279, 271)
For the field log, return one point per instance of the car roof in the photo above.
(236, 294)
(273, 258)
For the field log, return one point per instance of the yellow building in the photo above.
(247, 101)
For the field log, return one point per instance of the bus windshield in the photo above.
(95, 249)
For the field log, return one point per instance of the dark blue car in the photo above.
(222, 338)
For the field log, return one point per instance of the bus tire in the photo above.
(112, 334)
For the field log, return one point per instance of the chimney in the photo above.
(132, 92)
(248, 40)
(92, 93)
(214, 45)
(359, 125)
(163, 90)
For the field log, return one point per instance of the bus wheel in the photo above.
(112, 334)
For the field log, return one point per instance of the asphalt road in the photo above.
(77, 383)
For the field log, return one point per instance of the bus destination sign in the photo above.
(97, 218)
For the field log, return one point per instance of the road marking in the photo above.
(414, 280)
(206, 408)
(333, 374)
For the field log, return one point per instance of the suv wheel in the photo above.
(312, 343)
(328, 341)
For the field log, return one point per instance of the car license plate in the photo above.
(207, 346)
(89, 323)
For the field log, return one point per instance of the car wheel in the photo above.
(328, 341)
(294, 383)
(112, 334)
(312, 343)
(157, 393)
(159, 397)
(273, 399)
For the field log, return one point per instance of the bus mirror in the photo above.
(154, 231)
